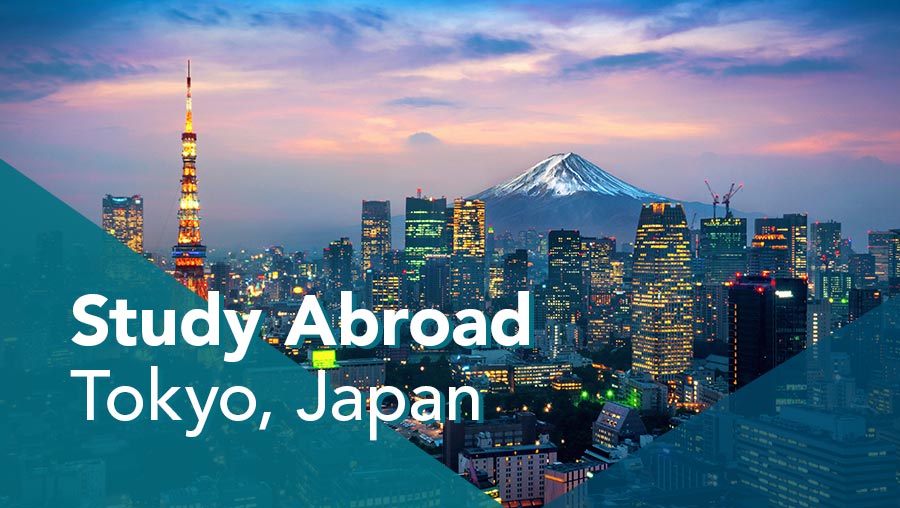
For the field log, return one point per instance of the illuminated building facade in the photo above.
(376, 234)
(467, 270)
(515, 275)
(662, 292)
(825, 245)
(770, 253)
(564, 276)
(518, 471)
(189, 252)
(338, 257)
(560, 478)
(767, 325)
(723, 248)
(385, 291)
(426, 221)
(794, 228)
(123, 218)
(862, 301)
(884, 246)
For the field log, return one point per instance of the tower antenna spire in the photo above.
(189, 115)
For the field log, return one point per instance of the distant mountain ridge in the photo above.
(566, 191)
(565, 174)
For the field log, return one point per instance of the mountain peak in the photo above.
(564, 174)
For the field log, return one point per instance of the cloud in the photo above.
(617, 63)
(422, 139)
(795, 67)
(33, 75)
(421, 102)
(212, 17)
(482, 46)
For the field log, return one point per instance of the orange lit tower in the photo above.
(189, 252)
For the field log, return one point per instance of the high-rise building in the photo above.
(435, 282)
(791, 297)
(767, 325)
(825, 245)
(338, 257)
(751, 311)
(123, 217)
(723, 248)
(862, 301)
(426, 224)
(794, 228)
(376, 234)
(861, 268)
(662, 292)
(564, 276)
(884, 246)
(515, 275)
(467, 270)
(770, 254)
(189, 252)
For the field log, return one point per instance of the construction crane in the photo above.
(726, 199)
(714, 196)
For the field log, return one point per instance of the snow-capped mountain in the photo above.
(566, 191)
(564, 174)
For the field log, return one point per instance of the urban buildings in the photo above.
(662, 293)
(123, 218)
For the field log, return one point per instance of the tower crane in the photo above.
(714, 196)
(726, 199)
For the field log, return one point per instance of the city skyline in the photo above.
(352, 102)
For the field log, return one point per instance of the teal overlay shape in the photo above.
(822, 429)
(51, 456)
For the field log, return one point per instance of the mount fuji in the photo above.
(567, 191)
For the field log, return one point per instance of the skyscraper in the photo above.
(338, 258)
(515, 275)
(467, 270)
(825, 244)
(770, 253)
(426, 221)
(189, 252)
(123, 217)
(565, 279)
(862, 301)
(723, 248)
(767, 325)
(793, 227)
(884, 246)
(376, 234)
(662, 292)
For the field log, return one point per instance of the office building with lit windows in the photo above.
(794, 228)
(723, 248)
(565, 278)
(426, 222)
(662, 305)
(767, 325)
(467, 270)
(518, 471)
(123, 218)
(376, 234)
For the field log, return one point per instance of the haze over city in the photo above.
(301, 112)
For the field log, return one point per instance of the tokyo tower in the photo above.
(190, 251)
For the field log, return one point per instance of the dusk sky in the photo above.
(303, 111)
